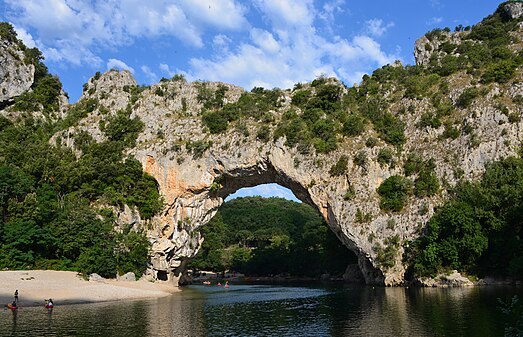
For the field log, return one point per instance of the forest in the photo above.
(57, 206)
(479, 230)
(270, 236)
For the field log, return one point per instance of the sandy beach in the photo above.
(64, 287)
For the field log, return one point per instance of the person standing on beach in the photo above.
(16, 296)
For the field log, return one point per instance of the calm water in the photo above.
(269, 310)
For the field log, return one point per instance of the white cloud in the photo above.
(264, 40)
(118, 64)
(149, 74)
(290, 13)
(221, 43)
(75, 31)
(269, 62)
(330, 8)
(167, 70)
(225, 14)
(434, 21)
(26, 38)
(376, 28)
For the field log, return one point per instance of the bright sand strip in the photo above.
(65, 287)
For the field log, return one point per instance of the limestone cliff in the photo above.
(197, 169)
(16, 76)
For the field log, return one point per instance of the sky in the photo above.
(268, 43)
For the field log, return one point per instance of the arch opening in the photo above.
(265, 231)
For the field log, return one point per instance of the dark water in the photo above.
(269, 310)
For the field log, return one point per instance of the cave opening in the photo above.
(265, 230)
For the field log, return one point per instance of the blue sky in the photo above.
(269, 43)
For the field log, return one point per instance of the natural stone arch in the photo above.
(187, 160)
(197, 196)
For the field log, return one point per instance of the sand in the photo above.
(64, 287)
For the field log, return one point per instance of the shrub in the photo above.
(350, 193)
(466, 97)
(215, 121)
(385, 156)
(360, 159)
(426, 184)
(354, 125)
(198, 147)
(428, 120)
(450, 132)
(394, 193)
(264, 133)
(121, 128)
(340, 167)
(500, 72)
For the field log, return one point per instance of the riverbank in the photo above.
(65, 287)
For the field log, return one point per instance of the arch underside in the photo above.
(193, 212)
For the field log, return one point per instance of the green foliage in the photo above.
(255, 104)
(350, 193)
(264, 133)
(500, 72)
(394, 193)
(413, 164)
(386, 256)
(48, 220)
(354, 125)
(7, 32)
(428, 119)
(216, 121)
(340, 167)
(466, 97)
(450, 131)
(385, 156)
(211, 99)
(361, 159)
(478, 230)
(258, 236)
(44, 96)
(426, 182)
(198, 147)
(122, 128)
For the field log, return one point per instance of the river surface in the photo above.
(276, 310)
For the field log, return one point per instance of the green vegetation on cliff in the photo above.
(479, 230)
(48, 201)
(259, 236)
(56, 205)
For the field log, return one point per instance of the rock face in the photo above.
(194, 184)
(197, 170)
(513, 10)
(16, 77)
(453, 279)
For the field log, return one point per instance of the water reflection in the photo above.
(247, 310)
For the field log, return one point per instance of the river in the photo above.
(277, 310)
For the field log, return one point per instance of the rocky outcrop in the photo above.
(16, 77)
(513, 10)
(453, 279)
